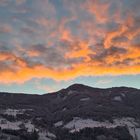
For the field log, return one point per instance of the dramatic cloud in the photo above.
(68, 38)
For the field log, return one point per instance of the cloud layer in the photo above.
(65, 39)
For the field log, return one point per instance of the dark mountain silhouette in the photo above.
(76, 101)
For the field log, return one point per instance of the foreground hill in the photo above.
(73, 108)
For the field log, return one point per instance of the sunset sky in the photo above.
(46, 45)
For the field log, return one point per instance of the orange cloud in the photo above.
(80, 49)
(98, 9)
(93, 38)
(79, 70)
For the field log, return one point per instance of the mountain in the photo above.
(73, 108)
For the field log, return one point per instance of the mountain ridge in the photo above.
(77, 104)
(76, 85)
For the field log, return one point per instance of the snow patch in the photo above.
(71, 92)
(117, 98)
(5, 124)
(14, 112)
(77, 124)
(64, 109)
(123, 94)
(60, 123)
(137, 130)
(30, 127)
(50, 135)
(43, 136)
(85, 99)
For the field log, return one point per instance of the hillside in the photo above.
(73, 108)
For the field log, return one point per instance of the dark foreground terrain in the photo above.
(78, 112)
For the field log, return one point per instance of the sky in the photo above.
(46, 45)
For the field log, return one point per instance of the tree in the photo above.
(34, 135)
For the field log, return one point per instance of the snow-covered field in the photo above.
(16, 125)
(5, 124)
(43, 135)
(77, 124)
